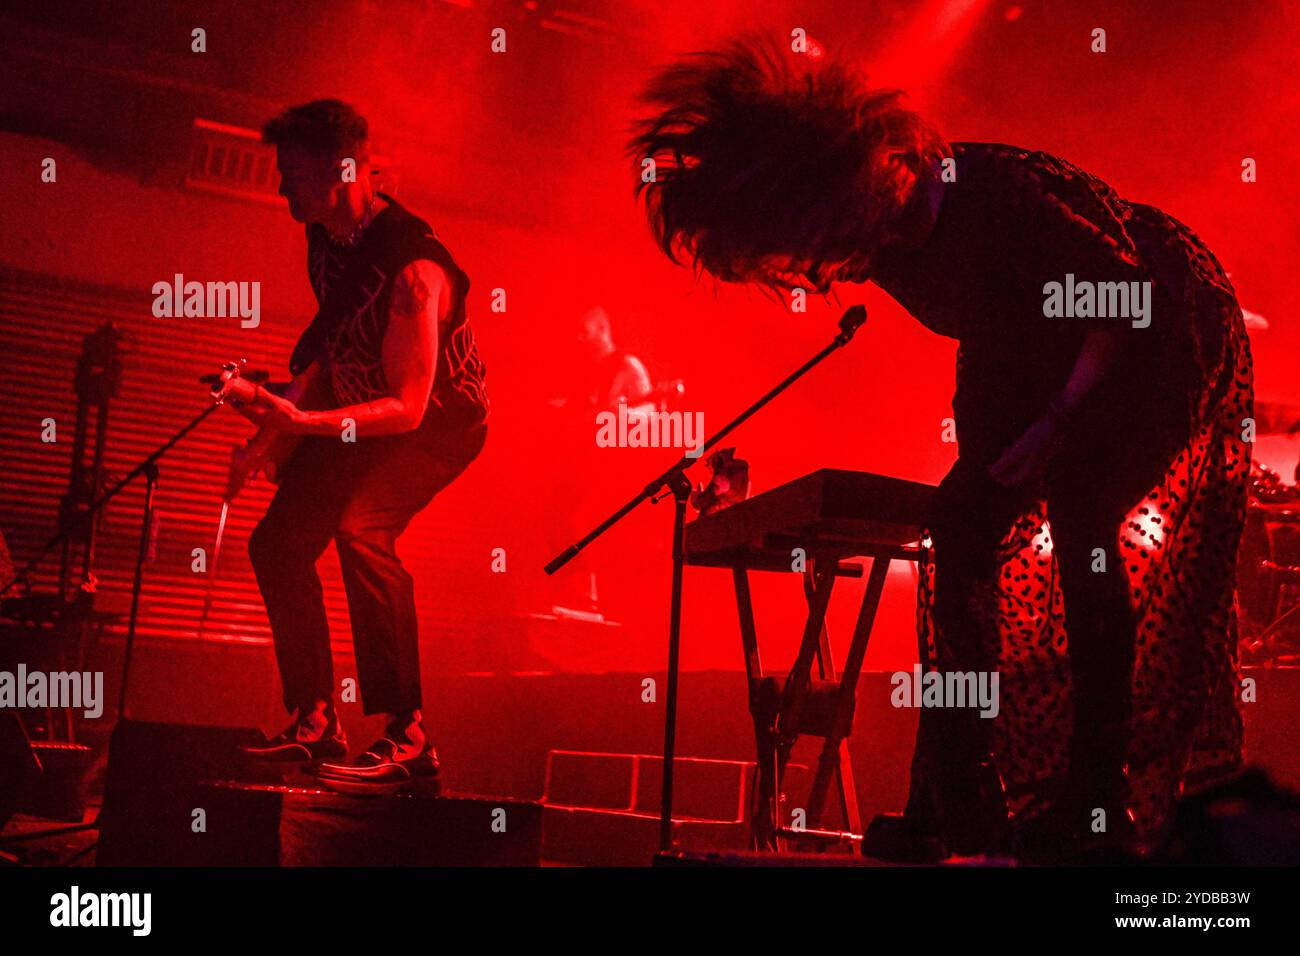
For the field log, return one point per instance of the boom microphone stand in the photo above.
(674, 482)
(149, 468)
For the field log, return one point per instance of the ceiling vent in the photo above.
(232, 161)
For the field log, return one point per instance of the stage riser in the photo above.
(243, 826)
(702, 789)
(159, 775)
(610, 838)
(494, 730)
(247, 827)
(603, 809)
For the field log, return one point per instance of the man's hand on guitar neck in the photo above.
(263, 407)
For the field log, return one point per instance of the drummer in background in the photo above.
(608, 376)
(604, 377)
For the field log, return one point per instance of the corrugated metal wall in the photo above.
(42, 324)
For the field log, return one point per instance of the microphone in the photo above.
(853, 319)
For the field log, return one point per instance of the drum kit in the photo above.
(1268, 565)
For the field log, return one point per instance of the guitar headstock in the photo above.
(221, 382)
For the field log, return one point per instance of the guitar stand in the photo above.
(782, 712)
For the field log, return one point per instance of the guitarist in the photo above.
(386, 408)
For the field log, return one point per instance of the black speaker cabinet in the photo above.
(150, 792)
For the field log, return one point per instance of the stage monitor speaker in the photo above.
(154, 771)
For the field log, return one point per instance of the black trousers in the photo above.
(360, 495)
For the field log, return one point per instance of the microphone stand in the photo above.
(149, 468)
(674, 481)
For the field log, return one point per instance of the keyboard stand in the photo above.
(783, 711)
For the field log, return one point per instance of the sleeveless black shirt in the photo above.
(353, 285)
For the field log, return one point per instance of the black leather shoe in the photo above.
(387, 767)
(294, 745)
(896, 839)
(1067, 830)
(974, 803)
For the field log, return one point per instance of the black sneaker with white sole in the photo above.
(394, 763)
(297, 744)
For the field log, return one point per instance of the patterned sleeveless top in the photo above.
(353, 285)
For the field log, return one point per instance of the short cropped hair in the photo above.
(331, 127)
(759, 151)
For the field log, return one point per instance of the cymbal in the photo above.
(1254, 321)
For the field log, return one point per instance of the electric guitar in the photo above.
(269, 447)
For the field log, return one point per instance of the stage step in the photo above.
(161, 775)
(584, 837)
(262, 825)
(602, 809)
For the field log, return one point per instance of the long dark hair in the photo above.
(761, 152)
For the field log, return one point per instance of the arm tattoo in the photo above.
(410, 293)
